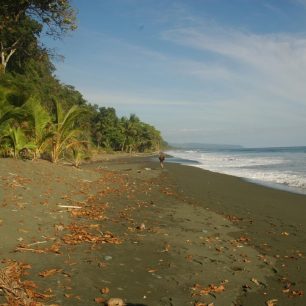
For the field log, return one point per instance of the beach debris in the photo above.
(115, 302)
(54, 248)
(168, 191)
(23, 248)
(272, 302)
(141, 227)
(107, 257)
(59, 227)
(246, 287)
(100, 300)
(49, 272)
(167, 248)
(233, 218)
(243, 239)
(86, 181)
(37, 242)
(105, 290)
(80, 234)
(198, 290)
(69, 206)
(255, 281)
(203, 304)
(92, 212)
(16, 291)
(291, 292)
(285, 234)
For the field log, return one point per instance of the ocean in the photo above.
(281, 168)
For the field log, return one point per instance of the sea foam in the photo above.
(282, 168)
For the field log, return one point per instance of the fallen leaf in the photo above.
(59, 227)
(296, 293)
(285, 233)
(271, 302)
(199, 290)
(99, 300)
(68, 296)
(105, 290)
(50, 272)
(255, 281)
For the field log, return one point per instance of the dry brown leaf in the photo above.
(220, 288)
(105, 290)
(67, 295)
(18, 292)
(59, 227)
(54, 248)
(272, 302)
(29, 284)
(255, 281)
(294, 293)
(49, 272)
(99, 300)
(199, 290)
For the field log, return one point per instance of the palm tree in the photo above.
(39, 122)
(65, 134)
(8, 115)
(18, 140)
(129, 129)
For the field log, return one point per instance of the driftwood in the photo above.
(70, 206)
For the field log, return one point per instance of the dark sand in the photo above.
(241, 243)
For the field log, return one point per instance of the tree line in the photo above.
(39, 116)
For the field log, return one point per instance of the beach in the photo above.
(125, 228)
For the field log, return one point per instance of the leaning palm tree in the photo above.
(65, 134)
(39, 120)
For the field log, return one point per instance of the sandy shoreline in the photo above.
(178, 236)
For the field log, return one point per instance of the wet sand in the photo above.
(177, 236)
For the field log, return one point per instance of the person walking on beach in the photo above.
(161, 158)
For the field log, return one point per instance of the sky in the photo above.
(209, 71)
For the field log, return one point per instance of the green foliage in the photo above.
(22, 22)
(106, 129)
(31, 118)
(65, 133)
(18, 140)
(39, 125)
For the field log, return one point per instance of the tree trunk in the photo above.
(5, 55)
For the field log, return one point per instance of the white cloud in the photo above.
(273, 65)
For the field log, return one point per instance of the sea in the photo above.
(280, 167)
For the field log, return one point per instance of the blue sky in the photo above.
(212, 71)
